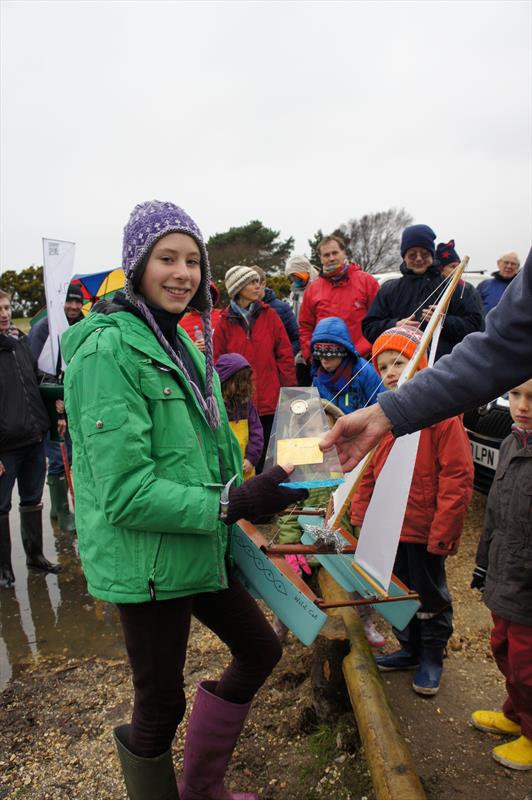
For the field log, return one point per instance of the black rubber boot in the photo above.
(145, 778)
(7, 578)
(31, 532)
(60, 509)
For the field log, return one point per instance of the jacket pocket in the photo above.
(109, 442)
(172, 427)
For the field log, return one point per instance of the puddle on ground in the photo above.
(52, 614)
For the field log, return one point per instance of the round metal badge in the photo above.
(299, 407)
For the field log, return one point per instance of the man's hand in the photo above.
(2, 469)
(427, 313)
(60, 406)
(356, 434)
(407, 322)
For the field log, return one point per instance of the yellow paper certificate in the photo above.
(299, 451)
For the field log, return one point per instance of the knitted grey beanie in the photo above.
(148, 223)
(238, 277)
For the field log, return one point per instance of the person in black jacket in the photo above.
(57, 483)
(410, 300)
(23, 425)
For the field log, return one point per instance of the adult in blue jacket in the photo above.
(492, 289)
(338, 372)
(282, 310)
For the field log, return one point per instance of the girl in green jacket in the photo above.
(152, 452)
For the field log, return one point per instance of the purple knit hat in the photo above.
(229, 363)
(148, 223)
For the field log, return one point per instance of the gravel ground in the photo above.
(56, 717)
(56, 720)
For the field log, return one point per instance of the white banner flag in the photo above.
(58, 270)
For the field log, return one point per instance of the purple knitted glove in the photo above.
(262, 496)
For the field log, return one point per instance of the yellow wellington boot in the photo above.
(494, 722)
(516, 754)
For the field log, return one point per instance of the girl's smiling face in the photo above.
(173, 273)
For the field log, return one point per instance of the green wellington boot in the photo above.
(145, 778)
(60, 510)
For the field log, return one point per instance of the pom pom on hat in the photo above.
(404, 340)
(238, 277)
(446, 254)
(418, 236)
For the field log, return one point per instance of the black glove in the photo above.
(262, 496)
(479, 578)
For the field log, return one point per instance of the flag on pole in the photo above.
(58, 270)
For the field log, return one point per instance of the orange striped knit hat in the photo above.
(403, 340)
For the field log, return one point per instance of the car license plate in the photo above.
(487, 456)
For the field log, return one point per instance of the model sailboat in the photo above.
(369, 572)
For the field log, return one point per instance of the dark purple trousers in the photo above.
(156, 635)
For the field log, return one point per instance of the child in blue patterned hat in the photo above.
(339, 373)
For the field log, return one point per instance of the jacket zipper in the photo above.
(151, 579)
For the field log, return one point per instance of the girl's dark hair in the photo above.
(237, 389)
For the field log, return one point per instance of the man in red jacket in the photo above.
(342, 290)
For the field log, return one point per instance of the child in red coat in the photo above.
(440, 493)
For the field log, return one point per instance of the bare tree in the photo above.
(373, 240)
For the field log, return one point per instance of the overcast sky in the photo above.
(300, 114)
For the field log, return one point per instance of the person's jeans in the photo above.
(156, 635)
(53, 454)
(27, 466)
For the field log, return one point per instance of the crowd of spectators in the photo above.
(350, 337)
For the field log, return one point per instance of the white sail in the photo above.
(381, 529)
(383, 521)
(340, 495)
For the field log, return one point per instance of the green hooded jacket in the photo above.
(148, 469)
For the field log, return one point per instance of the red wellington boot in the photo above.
(213, 729)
